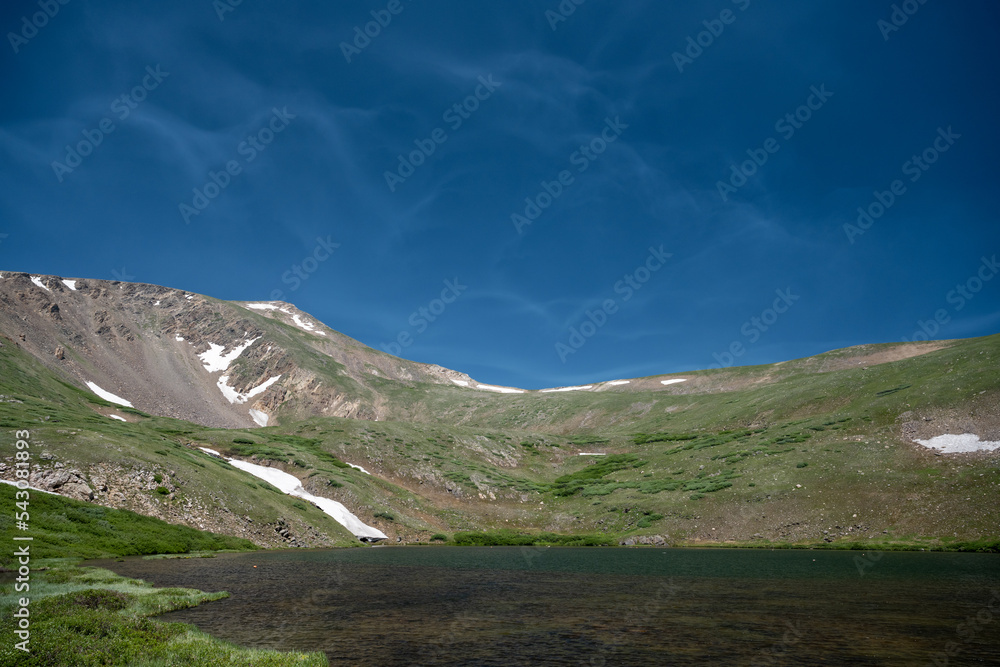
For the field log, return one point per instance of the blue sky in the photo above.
(737, 137)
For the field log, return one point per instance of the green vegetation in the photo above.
(88, 617)
(569, 484)
(65, 528)
(498, 538)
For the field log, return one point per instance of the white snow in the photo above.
(261, 306)
(259, 417)
(358, 468)
(236, 397)
(108, 396)
(157, 303)
(231, 394)
(211, 451)
(957, 444)
(38, 281)
(591, 454)
(70, 284)
(262, 387)
(292, 486)
(179, 339)
(674, 381)
(307, 326)
(7, 481)
(618, 382)
(463, 383)
(502, 390)
(121, 419)
(189, 296)
(214, 360)
(589, 386)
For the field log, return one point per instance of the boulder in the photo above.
(70, 483)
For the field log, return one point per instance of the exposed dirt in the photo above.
(979, 416)
(868, 355)
(141, 343)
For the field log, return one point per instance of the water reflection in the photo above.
(511, 606)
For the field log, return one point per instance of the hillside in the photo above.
(819, 450)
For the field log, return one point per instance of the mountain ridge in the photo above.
(813, 450)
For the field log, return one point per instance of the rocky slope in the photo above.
(165, 351)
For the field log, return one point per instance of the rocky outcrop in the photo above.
(69, 483)
(651, 540)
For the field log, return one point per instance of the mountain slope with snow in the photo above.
(124, 387)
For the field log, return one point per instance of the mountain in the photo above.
(160, 401)
(163, 350)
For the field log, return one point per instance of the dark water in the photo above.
(538, 606)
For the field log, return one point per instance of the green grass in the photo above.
(87, 617)
(498, 538)
(66, 528)
(567, 485)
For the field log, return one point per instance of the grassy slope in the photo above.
(62, 421)
(805, 457)
(65, 528)
(724, 460)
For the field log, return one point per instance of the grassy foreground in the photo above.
(90, 616)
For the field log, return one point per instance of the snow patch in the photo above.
(211, 451)
(38, 281)
(307, 326)
(70, 284)
(236, 397)
(358, 468)
(121, 419)
(674, 381)
(231, 394)
(262, 387)
(591, 454)
(462, 383)
(17, 484)
(959, 444)
(589, 386)
(292, 486)
(261, 306)
(108, 396)
(618, 382)
(259, 417)
(179, 339)
(214, 360)
(502, 390)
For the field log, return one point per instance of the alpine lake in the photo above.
(597, 606)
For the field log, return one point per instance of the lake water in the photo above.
(614, 606)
